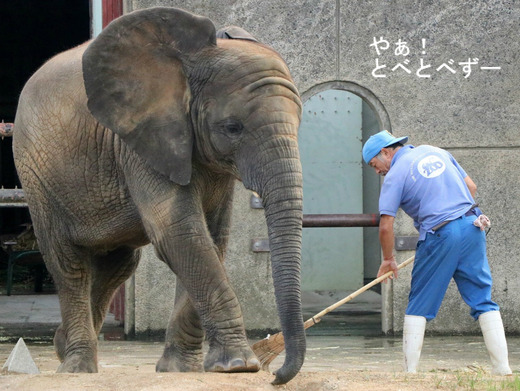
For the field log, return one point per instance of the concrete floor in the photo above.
(36, 317)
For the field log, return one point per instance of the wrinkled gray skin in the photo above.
(137, 137)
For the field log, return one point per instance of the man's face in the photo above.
(381, 163)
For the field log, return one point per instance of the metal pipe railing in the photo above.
(16, 198)
(340, 220)
(12, 198)
(6, 129)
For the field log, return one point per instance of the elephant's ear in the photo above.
(136, 85)
(235, 32)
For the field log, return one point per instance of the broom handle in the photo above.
(316, 318)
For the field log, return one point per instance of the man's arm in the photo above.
(471, 186)
(386, 237)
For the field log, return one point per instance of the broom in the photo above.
(270, 347)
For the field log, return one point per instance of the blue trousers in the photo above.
(458, 251)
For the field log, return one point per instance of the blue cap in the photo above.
(379, 141)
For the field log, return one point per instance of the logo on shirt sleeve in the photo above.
(431, 166)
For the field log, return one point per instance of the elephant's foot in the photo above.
(231, 359)
(173, 360)
(60, 343)
(77, 363)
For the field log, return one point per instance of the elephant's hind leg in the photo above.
(109, 272)
(75, 340)
(184, 337)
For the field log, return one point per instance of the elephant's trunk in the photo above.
(284, 222)
(282, 194)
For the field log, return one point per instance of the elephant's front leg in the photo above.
(184, 334)
(193, 256)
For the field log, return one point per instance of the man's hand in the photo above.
(388, 265)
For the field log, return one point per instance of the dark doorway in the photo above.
(31, 32)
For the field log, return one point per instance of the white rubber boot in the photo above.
(495, 340)
(413, 336)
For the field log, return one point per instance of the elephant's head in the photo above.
(161, 80)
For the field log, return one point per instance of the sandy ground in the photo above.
(345, 352)
(347, 365)
(137, 379)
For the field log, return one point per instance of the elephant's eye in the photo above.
(234, 128)
(231, 127)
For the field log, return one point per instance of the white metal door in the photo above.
(330, 145)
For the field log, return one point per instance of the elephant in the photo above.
(138, 136)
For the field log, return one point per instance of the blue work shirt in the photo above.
(428, 184)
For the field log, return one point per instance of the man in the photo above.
(433, 189)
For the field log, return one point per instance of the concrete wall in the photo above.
(149, 297)
(475, 117)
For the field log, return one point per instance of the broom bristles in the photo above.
(268, 349)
